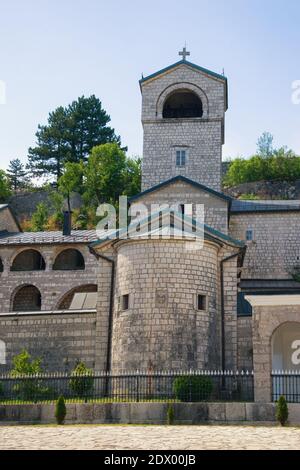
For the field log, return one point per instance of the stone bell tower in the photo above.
(183, 110)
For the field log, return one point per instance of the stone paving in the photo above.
(96, 437)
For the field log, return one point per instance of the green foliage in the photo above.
(25, 365)
(282, 412)
(283, 165)
(104, 174)
(5, 191)
(40, 218)
(28, 389)
(71, 180)
(192, 388)
(17, 175)
(69, 136)
(249, 196)
(60, 410)
(170, 415)
(82, 380)
(132, 176)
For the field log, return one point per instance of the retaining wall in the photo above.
(147, 413)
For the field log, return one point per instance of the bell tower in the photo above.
(183, 112)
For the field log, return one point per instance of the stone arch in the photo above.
(26, 298)
(65, 301)
(70, 259)
(182, 87)
(285, 346)
(2, 352)
(28, 260)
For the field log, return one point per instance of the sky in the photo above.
(52, 52)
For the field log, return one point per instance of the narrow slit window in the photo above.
(201, 302)
(125, 302)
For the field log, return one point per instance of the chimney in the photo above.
(67, 223)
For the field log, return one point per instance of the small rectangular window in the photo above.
(201, 302)
(125, 302)
(249, 235)
(180, 157)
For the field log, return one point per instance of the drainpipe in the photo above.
(111, 306)
(223, 261)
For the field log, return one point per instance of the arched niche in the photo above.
(28, 260)
(27, 299)
(69, 260)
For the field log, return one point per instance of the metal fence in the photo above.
(166, 386)
(286, 383)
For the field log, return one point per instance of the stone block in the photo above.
(30, 413)
(216, 412)
(235, 412)
(260, 412)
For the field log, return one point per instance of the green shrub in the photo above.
(27, 388)
(170, 415)
(60, 410)
(282, 412)
(82, 380)
(192, 388)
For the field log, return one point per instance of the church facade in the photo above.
(149, 302)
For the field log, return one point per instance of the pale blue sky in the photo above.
(51, 52)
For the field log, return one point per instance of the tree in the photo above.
(105, 174)
(5, 191)
(265, 145)
(17, 175)
(60, 410)
(88, 127)
(132, 176)
(71, 180)
(82, 380)
(282, 412)
(23, 364)
(69, 136)
(40, 218)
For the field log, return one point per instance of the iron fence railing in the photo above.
(286, 383)
(166, 386)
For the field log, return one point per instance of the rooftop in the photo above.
(28, 238)
(238, 206)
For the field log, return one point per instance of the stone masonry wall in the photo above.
(202, 137)
(202, 141)
(59, 340)
(275, 249)
(244, 343)
(162, 329)
(53, 285)
(179, 192)
(7, 222)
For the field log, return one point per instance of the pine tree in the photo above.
(17, 175)
(69, 136)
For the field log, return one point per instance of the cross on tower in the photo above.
(184, 53)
